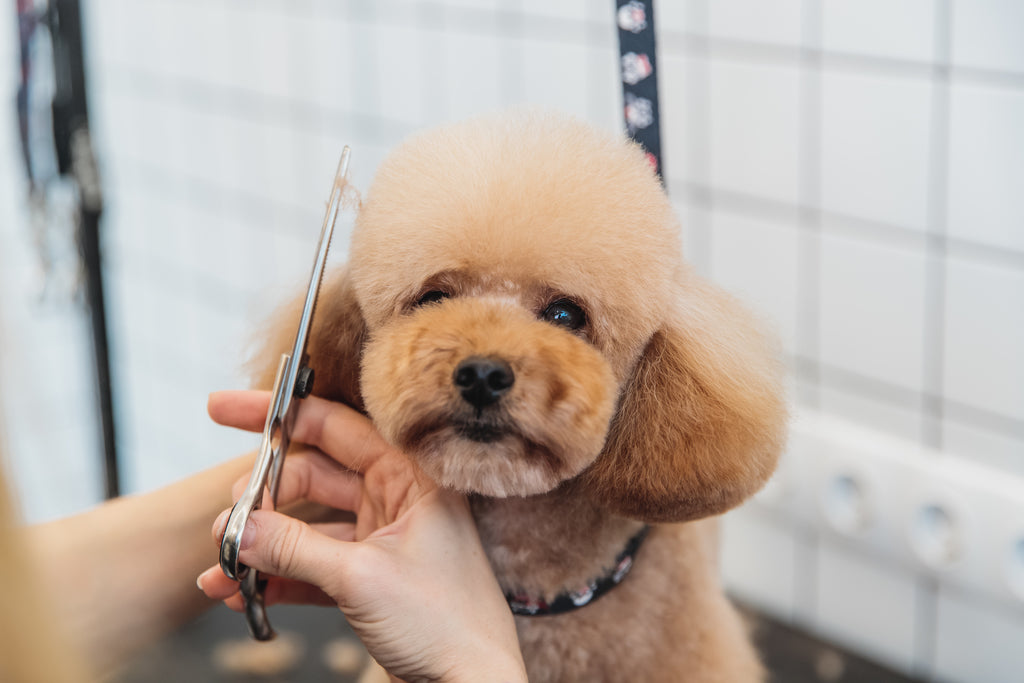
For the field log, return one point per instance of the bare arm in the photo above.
(123, 574)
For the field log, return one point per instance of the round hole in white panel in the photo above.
(846, 503)
(1015, 567)
(934, 535)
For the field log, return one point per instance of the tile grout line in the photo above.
(808, 256)
(936, 246)
(926, 597)
(808, 216)
(700, 130)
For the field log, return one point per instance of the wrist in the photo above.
(497, 667)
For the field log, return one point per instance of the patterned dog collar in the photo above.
(524, 605)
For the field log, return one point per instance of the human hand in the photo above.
(410, 574)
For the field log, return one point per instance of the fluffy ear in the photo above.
(334, 347)
(701, 423)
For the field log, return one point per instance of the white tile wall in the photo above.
(696, 222)
(328, 44)
(899, 416)
(1002, 451)
(874, 328)
(985, 34)
(739, 245)
(680, 16)
(760, 558)
(573, 10)
(986, 161)
(877, 28)
(673, 92)
(756, 155)
(852, 593)
(473, 60)
(604, 81)
(875, 136)
(554, 74)
(985, 368)
(826, 164)
(977, 642)
(759, 22)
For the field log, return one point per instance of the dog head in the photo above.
(526, 322)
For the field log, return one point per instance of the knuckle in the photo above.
(283, 552)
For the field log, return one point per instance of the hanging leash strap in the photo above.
(639, 69)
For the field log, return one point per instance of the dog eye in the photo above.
(565, 313)
(432, 297)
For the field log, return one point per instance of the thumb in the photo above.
(283, 546)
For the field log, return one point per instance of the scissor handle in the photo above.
(264, 478)
(263, 481)
(252, 589)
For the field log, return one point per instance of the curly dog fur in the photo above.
(658, 403)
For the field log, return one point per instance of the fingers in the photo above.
(344, 434)
(282, 546)
(216, 586)
(339, 531)
(310, 475)
(241, 409)
(286, 592)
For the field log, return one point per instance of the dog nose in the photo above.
(482, 381)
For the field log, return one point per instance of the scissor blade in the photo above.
(298, 353)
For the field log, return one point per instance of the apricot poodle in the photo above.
(516, 315)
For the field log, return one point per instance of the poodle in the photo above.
(516, 315)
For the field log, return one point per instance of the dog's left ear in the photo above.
(334, 347)
(701, 423)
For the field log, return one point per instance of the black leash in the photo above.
(75, 156)
(72, 146)
(639, 69)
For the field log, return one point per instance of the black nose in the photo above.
(482, 381)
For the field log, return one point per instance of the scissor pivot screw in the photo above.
(304, 382)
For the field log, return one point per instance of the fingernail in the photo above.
(248, 535)
(220, 524)
(202, 577)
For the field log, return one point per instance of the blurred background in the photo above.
(853, 169)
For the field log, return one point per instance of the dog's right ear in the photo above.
(334, 347)
(701, 422)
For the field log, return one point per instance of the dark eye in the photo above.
(432, 297)
(565, 313)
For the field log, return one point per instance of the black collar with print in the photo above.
(525, 605)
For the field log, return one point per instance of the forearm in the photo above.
(124, 573)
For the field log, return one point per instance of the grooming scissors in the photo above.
(294, 380)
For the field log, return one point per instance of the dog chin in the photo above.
(482, 459)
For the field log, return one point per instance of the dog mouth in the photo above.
(487, 452)
(479, 430)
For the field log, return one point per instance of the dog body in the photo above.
(668, 621)
(517, 317)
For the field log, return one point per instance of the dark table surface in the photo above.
(199, 651)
